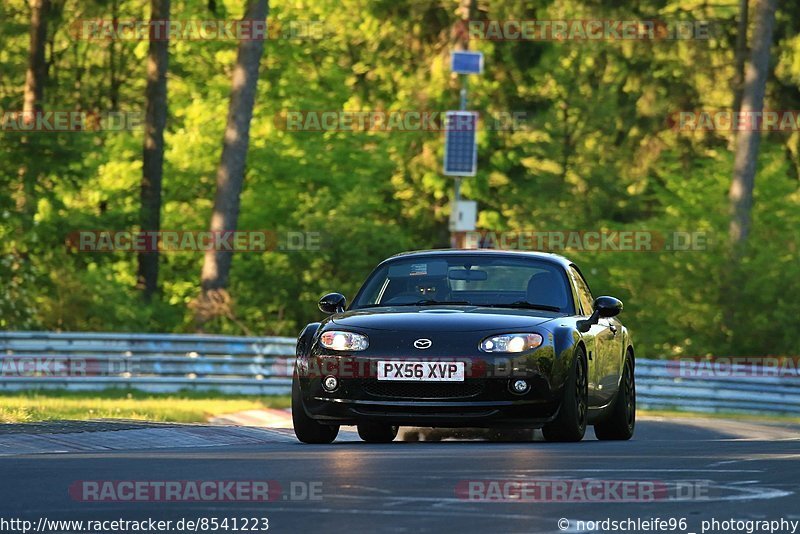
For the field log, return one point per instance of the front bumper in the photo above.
(483, 399)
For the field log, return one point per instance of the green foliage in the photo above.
(595, 153)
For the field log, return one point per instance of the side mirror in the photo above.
(608, 306)
(603, 307)
(332, 303)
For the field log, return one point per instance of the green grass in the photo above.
(181, 407)
(722, 415)
(195, 407)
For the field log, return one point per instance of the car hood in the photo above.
(442, 319)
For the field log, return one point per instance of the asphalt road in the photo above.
(700, 470)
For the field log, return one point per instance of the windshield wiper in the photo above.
(424, 302)
(432, 302)
(524, 304)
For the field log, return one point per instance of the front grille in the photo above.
(423, 390)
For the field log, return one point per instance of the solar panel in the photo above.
(460, 143)
(465, 62)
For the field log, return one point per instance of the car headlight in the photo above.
(338, 340)
(511, 343)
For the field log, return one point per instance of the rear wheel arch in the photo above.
(620, 421)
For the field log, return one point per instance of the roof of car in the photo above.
(547, 256)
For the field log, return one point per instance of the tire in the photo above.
(377, 432)
(306, 429)
(570, 424)
(622, 421)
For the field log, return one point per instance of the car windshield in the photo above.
(467, 280)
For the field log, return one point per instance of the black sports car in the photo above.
(467, 338)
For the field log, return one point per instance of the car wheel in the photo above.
(377, 432)
(306, 429)
(622, 421)
(570, 424)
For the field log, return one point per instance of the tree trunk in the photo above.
(33, 99)
(460, 32)
(740, 55)
(230, 172)
(153, 150)
(37, 65)
(114, 82)
(747, 140)
(740, 194)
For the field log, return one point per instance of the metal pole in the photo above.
(464, 87)
(454, 235)
(456, 198)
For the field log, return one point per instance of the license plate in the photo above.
(421, 371)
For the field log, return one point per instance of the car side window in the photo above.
(584, 295)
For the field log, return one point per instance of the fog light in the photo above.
(520, 387)
(330, 383)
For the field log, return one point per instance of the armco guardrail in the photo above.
(263, 365)
(718, 387)
(148, 362)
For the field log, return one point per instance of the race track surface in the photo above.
(697, 469)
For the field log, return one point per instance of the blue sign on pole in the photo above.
(460, 143)
(466, 62)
